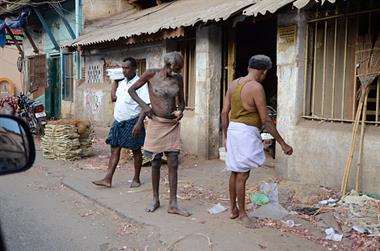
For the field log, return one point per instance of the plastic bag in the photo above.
(270, 190)
(218, 208)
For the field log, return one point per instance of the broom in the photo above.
(368, 67)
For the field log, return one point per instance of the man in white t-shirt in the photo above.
(127, 130)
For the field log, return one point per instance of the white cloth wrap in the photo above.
(245, 149)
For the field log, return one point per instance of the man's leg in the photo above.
(232, 189)
(241, 180)
(137, 158)
(173, 183)
(112, 164)
(156, 168)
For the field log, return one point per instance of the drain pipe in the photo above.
(78, 27)
(77, 18)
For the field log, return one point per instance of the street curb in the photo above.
(117, 212)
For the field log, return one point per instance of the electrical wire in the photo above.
(30, 3)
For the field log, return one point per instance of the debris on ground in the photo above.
(259, 199)
(270, 190)
(218, 208)
(307, 210)
(328, 202)
(351, 222)
(360, 213)
(270, 211)
(189, 191)
(331, 235)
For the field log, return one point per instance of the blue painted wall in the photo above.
(57, 27)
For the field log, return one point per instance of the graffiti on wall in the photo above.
(93, 103)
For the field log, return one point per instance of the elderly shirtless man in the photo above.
(245, 101)
(163, 131)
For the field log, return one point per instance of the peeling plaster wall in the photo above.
(97, 9)
(320, 149)
(93, 100)
(201, 127)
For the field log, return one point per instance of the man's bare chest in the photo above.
(164, 87)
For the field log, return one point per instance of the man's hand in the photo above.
(178, 115)
(225, 144)
(148, 111)
(136, 130)
(288, 150)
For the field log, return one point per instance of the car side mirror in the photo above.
(17, 150)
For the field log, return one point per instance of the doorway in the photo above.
(242, 41)
(258, 38)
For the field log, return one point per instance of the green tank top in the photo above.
(239, 113)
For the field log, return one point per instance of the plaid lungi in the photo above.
(120, 135)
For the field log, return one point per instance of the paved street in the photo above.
(38, 213)
(53, 206)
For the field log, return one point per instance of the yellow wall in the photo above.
(8, 66)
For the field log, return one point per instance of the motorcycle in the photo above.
(32, 113)
(268, 140)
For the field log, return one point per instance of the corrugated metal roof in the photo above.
(171, 15)
(299, 4)
(265, 6)
(272, 6)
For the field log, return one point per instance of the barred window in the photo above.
(36, 72)
(94, 73)
(331, 79)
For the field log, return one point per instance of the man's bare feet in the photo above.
(176, 210)
(153, 207)
(234, 213)
(135, 183)
(248, 223)
(103, 183)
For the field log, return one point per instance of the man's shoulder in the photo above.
(133, 80)
(254, 85)
(152, 71)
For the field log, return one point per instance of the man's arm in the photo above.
(132, 91)
(261, 105)
(181, 96)
(137, 128)
(115, 84)
(225, 111)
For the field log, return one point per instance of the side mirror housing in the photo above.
(17, 149)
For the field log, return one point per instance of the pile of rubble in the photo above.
(350, 222)
(67, 140)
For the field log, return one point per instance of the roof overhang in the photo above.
(272, 6)
(170, 18)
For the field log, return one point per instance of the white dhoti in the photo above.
(245, 149)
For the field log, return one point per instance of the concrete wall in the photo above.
(93, 101)
(58, 28)
(320, 149)
(97, 9)
(200, 128)
(8, 69)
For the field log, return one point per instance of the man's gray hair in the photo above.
(173, 57)
(260, 62)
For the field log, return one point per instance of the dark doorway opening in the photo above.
(258, 38)
(53, 89)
